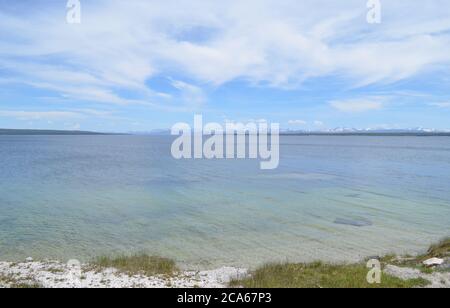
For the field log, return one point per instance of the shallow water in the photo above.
(332, 198)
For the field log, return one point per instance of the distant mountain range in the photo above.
(369, 131)
(341, 131)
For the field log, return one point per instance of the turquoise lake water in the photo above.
(332, 198)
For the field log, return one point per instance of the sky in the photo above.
(140, 65)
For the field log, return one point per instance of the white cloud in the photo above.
(119, 46)
(75, 126)
(39, 115)
(357, 105)
(319, 123)
(441, 104)
(192, 95)
(50, 116)
(297, 122)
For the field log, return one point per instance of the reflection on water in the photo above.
(333, 198)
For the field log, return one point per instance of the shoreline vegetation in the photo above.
(139, 264)
(144, 271)
(319, 275)
(399, 272)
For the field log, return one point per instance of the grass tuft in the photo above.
(440, 250)
(139, 264)
(319, 275)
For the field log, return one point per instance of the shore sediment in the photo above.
(143, 271)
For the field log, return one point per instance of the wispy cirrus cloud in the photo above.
(147, 60)
(192, 95)
(40, 115)
(357, 105)
(56, 115)
(441, 104)
(120, 46)
(297, 122)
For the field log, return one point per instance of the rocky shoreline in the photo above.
(438, 280)
(54, 274)
(142, 271)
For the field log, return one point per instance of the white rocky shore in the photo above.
(438, 280)
(53, 274)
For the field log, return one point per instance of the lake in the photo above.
(333, 198)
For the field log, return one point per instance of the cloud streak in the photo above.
(357, 105)
(441, 104)
(40, 115)
(297, 122)
(120, 46)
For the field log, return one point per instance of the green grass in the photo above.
(319, 275)
(139, 264)
(440, 250)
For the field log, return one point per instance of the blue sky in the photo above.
(141, 65)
